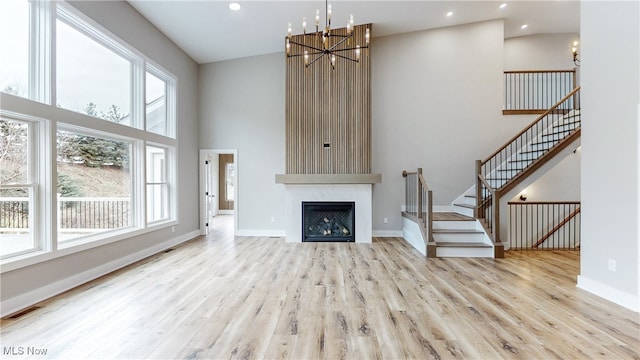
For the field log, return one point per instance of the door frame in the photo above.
(201, 194)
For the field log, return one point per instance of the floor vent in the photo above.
(22, 313)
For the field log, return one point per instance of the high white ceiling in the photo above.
(209, 31)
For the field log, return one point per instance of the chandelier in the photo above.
(330, 43)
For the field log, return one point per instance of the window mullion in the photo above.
(138, 96)
(40, 50)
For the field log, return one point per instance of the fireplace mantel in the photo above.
(311, 179)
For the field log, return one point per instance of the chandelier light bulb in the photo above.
(333, 45)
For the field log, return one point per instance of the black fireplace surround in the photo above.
(328, 221)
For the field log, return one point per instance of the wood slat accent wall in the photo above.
(329, 106)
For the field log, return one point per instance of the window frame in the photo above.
(40, 108)
(169, 173)
(134, 161)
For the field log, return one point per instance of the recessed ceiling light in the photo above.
(524, 26)
(450, 13)
(504, 5)
(234, 6)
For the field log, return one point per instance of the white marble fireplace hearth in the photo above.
(327, 188)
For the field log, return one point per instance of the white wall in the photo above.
(540, 52)
(560, 183)
(436, 104)
(26, 285)
(546, 52)
(242, 104)
(610, 98)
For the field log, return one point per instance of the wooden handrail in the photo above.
(543, 202)
(424, 199)
(537, 71)
(423, 182)
(550, 110)
(557, 227)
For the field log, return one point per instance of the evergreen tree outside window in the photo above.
(99, 166)
(94, 184)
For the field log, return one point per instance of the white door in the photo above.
(210, 168)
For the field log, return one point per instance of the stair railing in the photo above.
(544, 225)
(419, 205)
(534, 91)
(504, 169)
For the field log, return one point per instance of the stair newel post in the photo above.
(496, 216)
(476, 211)
(429, 216)
(419, 193)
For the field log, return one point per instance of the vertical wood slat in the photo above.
(329, 106)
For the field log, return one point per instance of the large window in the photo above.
(100, 181)
(156, 104)
(157, 184)
(94, 184)
(14, 47)
(90, 77)
(17, 186)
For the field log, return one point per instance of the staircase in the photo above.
(472, 229)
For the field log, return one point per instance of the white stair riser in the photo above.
(464, 252)
(508, 173)
(454, 225)
(561, 127)
(468, 200)
(555, 137)
(463, 210)
(459, 237)
(540, 146)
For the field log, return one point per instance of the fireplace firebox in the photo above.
(328, 221)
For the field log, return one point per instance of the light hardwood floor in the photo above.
(257, 297)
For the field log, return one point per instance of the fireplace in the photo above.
(328, 221)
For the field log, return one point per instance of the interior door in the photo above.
(210, 189)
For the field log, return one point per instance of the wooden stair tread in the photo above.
(450, 216)
(462, 244)
(465, 206)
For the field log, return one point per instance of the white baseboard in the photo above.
(17, 303)
(387, 233)
(269, 233)
(609, 293)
